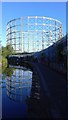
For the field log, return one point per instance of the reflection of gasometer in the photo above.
(18, 86)
(0, 83)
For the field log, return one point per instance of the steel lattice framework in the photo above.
(14, 85)
(33, 33)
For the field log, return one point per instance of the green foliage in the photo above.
(4, 63)
(4, 60)
(7, 71)
(8, 50)
(4, 51)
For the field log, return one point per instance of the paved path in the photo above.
(54, 87)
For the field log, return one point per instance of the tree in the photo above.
(4, 51)
(8, 50)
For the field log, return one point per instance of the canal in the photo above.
(22, 96)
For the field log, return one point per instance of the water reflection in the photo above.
(0, 89)
(23, 93)
(35, 97)
(18, 86)
(0, 81)
(36, 104)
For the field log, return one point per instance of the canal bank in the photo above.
(47, 95)
(53, 86)
(23, 95)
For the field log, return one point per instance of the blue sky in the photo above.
(11, 10)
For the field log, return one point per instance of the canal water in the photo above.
(21, 94)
